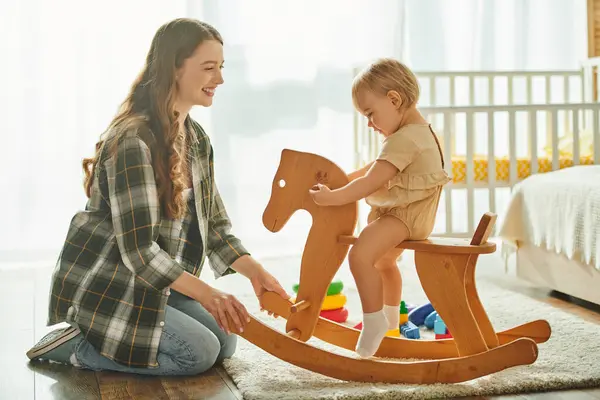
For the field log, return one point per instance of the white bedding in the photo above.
(558, 211)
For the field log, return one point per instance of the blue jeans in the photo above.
(191, 343)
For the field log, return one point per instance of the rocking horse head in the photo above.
(296, 174)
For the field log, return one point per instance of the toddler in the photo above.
(402, 186)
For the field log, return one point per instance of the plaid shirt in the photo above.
(120, 255)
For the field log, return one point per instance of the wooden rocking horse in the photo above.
(446, 269)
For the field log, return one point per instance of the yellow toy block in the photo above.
(330, 302)
(333, 302)
(393, 332)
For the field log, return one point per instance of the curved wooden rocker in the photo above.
(446, 269)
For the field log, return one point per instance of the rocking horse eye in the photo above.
(281, 183)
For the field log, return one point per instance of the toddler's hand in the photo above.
(321, 195)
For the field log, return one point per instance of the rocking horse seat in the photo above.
(437, 245)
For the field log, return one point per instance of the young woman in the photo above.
(127, 277)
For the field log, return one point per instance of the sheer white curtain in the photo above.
(66, 66)
(495, 34)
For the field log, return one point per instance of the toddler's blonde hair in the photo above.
(387, 74)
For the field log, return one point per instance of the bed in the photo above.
(552, 228)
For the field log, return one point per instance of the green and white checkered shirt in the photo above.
(120, 255)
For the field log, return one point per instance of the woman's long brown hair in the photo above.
(151, 102)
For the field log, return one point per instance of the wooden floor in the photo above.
(23, 296)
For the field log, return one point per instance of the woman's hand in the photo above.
(264, 282)
(322, 195)
(221, 305)
(261, 280)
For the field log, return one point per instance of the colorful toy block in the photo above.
(403, 313)
(333, 302)
(391, 332)
(333, 305)
(410, 330)
(338, 315)
(440, 329)
(430, 320)
(439, 326)
(418, 315)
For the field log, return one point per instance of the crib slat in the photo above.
(470, 172)
(529, 89)
(510, 90)
(554, 140)
(575, 137)
(448, 125)
(512, 148)
(534, 142)
(452, 91)
(566, 87)
(596, 137)
(491, 163)
(491, 89)
(432, 91)
(472, 90)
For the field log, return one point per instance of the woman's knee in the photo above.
(194, 355)
(228, 347)
(191, 346)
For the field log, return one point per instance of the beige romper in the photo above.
(413, 194)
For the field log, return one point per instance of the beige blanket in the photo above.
(558, 211)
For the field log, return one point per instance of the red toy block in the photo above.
(337, 315)
(443, 336)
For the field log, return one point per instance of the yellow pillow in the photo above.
(565, 145)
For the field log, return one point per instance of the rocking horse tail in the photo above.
(486, 224)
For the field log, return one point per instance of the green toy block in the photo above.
(403, 313)
(334, 288)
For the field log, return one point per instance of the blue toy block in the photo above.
(417, 316)
(410, 330)
(439, 326)
(430, 320)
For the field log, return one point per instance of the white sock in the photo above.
(392, 313)
(74, 362)
(373, 331)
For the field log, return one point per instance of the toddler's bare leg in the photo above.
(392, 286)
(376, 240)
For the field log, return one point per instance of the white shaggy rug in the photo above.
(570, 359)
